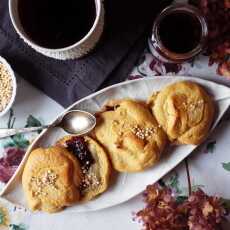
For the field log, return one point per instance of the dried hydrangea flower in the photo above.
(217, 13)
(162, 211)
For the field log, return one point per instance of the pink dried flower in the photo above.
(224, 69)
(162, 211)
(217, 13)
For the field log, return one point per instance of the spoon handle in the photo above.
(10, 132)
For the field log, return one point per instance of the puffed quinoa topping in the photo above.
(143, 133)
(48, 179)
(6, 87)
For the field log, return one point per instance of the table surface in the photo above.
(209, 165)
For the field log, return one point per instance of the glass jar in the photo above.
(165, 54)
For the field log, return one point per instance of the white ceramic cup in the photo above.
(77, 50)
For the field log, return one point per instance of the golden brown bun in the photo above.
(185, 111)
(51, 179)
(99, 171)
(131, 135)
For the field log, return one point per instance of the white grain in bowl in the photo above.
(7, 86)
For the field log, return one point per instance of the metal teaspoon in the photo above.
(75, 122)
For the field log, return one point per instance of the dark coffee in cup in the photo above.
(56, 24)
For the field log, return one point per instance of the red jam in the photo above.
(79, 148)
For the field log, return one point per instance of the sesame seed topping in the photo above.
(90, 179)
(143, 133)
(193, 106)
(47, 179)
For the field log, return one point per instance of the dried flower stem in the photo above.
(188, 177)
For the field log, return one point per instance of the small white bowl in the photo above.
(12, 75)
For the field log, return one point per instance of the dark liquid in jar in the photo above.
(56, 23)
(180, 32)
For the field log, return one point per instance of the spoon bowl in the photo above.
(77, 122)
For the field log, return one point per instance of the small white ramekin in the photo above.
(77, 50)
(12, 75)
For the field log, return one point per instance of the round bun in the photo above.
(131, 135)
(185, 111)
(98, 174)
(51, 179)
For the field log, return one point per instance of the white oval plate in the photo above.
(126, 185)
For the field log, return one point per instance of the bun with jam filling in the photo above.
(94, 162)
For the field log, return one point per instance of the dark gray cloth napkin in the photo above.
(127, 25)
